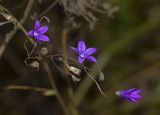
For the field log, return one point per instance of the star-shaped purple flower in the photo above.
(84, 53)
(131, 95)
(38, 32)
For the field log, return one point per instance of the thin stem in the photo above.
(8, 15)
(33, 49)
(59, 67)
(47, 9)
(95, 83)
(36, 89)
(28, 9)
(73, 108)
(64, 46)
(5, 22)
(68, 58)
(53, 84)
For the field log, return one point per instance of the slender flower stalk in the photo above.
(84, 53)
(131, 95)
(38, 33)
(53, 84)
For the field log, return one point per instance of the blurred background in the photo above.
(126, 34)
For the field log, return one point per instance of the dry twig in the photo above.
(8, 16)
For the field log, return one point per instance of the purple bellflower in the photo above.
(38, 32)
(84, 53)
(131, 95)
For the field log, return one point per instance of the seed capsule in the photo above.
(44, 51)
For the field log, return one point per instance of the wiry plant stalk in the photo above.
(53, 84)
(69, 88)
(44, 91)
(8, 15)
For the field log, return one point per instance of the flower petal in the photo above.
(37, 25)
(42, 38)
(90, 51)
(129, 98)
(43, 29)
(130, 90)
(131, 95)
(136, 91)
(81, 46)
(81, 59)
(31, 33)
(91, 58)
(136, 96)
(74, 49)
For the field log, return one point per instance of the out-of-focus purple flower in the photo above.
(84, 53)
(38, 32)
(131, 95)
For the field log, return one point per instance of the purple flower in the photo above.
(38, 33)
(130, 95)
(84, 53)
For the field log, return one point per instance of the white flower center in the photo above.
(35, 33)
(82, 55)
